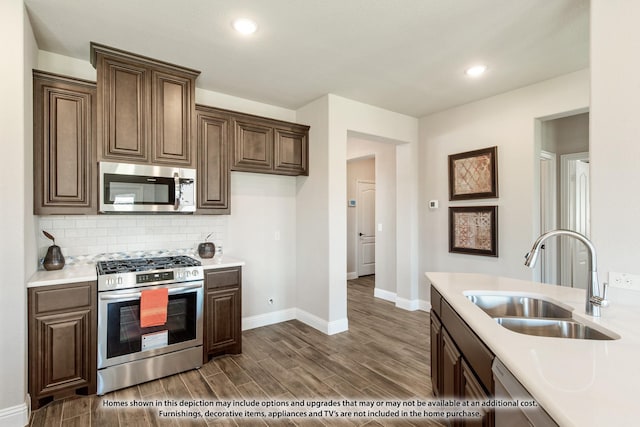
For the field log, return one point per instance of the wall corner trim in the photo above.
(385, 295)
(352, 275)
(329, 328)
(252, 322)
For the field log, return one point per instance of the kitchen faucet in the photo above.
(594, 301)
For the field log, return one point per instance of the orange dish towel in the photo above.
(153, 307)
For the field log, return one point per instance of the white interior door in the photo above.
(575, 212)
(366, 228)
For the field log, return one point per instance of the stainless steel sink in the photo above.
(518, 306)
(558, 328)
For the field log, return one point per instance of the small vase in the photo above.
(54, 260)
(206, 250)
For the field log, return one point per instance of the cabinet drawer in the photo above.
(475, 352)
(222, 277)
(63, 297)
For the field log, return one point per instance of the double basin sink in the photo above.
(534, 316)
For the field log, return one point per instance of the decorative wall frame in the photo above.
(474, 174)
(473, 230)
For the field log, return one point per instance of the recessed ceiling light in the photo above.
(245, 26)
(476, 70)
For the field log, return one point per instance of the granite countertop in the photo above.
(87, 272)
(578, 382)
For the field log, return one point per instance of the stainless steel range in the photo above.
(129, 353)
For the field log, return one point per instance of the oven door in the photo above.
(120, 337)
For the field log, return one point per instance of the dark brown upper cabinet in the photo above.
(269, 146)
(212, 127)
(64, 138)
(146, 109)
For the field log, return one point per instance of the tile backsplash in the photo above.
(99, 234)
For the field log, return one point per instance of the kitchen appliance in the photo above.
(508, 388)
(130, 354)
(131, 188)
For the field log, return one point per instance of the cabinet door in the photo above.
(436, 355)
(472, 390)
(64, 139)
(252, 146)
(123, 106)
(450, 367)
(171, 115)
(62, 340)
(213, 161)
(291, 156)
(223, 320)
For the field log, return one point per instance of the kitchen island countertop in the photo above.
(578, 382)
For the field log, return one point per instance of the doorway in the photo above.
(361, 217)
(366, 227)
(564, 198)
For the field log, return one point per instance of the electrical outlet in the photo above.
(624, 281)
(270, 300)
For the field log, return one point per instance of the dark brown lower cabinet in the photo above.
(460, 362)
(223, 312)
(62, 341)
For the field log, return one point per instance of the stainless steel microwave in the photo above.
(130, 188)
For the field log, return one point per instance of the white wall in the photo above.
(614, 130)
(508, 121)
(261, 231)
(18, 53)
(385, 177)
(566, 135)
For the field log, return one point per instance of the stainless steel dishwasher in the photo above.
(507, 387)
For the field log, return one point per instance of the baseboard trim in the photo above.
(329, 328)
(252, 322)
(352, 275)
(407, 304)
(424, 305)
(384, 294)
(17, 416)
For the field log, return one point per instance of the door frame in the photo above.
(357, 222)
(548, 216)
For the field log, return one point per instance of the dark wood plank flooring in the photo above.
(383, 356)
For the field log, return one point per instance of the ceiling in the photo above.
(407, 56)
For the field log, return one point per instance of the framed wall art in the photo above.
(473, 230)
(474, 174)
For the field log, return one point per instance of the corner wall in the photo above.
(508, 121)
(17, 251)
(614, 131)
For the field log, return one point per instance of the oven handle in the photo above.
(172, 291)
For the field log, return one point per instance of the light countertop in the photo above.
(87, 272)
(578, 382)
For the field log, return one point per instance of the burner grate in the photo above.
(145, 264)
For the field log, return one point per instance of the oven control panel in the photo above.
(154, 277)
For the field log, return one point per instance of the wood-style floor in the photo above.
(383, 356)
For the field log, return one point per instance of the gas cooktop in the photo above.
(145, 264)
(137, 272)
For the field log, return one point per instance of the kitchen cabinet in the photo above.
(64, 137)
(460, 362)
(212, 127)
(223, 312)
(269, 146)
(146, 109)
(62, 341)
